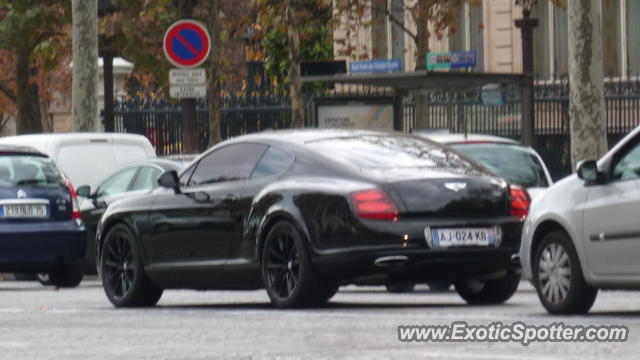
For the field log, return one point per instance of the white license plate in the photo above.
(444, 238)
(24, 211)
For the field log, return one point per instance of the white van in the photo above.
(87, 158)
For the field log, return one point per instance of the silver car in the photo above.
(583, 234)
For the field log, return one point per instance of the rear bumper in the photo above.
(390, 265)
(32, 247)
(387, 252)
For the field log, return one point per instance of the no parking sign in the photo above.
(187, 43)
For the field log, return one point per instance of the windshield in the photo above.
(17, 170)
(512, 162)
(397, 152)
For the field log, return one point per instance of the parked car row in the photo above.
(301, 213)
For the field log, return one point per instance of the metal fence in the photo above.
(459, 111)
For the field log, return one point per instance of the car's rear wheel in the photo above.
(64, 277)
(287, 272)
(557, 276)
(490, 291)
(122, 272)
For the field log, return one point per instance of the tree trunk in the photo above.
(422, 47)
(215, 71)
(586, 81)
(295, 84)
(28, 97)
(85, 64)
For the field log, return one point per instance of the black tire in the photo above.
(476, 292)
(287, 272)
(123, 278)
(64, 277)
(400, 287)
(561, 287)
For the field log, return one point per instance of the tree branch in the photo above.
(8, 93)
(386, 12)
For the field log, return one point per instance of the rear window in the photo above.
(380, 152)
(512, 162)
(17, 170)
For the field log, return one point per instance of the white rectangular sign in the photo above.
(356, 116)
(188, 92)
(187, 76)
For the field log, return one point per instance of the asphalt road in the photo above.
(359, 323)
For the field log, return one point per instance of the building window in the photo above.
(541, 43)
(633, 37)
(560, 42)
(469, 35)
(611, 54)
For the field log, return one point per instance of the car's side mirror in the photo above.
(169, 179)
(587, 170)
(84, 191)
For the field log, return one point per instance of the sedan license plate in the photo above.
(23, 211)
(444, 238)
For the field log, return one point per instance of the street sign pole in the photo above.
(189, 139)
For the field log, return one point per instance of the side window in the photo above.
(628, 167)
(146, 179)
(117, 183)
(273, 162)
(230, 163)
(184, 179)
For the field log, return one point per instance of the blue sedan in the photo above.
(40, 226)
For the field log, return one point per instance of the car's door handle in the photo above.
(229, 198)
(201, 197)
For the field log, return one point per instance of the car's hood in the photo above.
(536, 192)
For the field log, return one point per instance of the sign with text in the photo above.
(451, 60)
(355, 116)
(187, 76)
(382, 65)
(188, 91)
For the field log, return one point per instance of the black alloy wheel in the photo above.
(287, 273)
(123, 277)
(283, 265)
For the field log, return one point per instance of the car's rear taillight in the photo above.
(519, 201)
(374, 205)
(75, 206)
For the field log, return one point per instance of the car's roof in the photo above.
(444, 138)
(165, 164)
(302, 136)
(19, 149)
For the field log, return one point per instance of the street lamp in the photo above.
(526, 26)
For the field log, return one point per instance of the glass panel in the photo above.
(230, 163)
(147, 178)
(117, 183)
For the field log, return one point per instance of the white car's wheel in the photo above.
(558, 279)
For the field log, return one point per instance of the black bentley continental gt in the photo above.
(302, 212)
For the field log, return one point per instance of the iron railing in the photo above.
(459, 111)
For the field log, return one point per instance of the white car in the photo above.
(518, 164)
(583, 233)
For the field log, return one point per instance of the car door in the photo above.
(193, 229)
(611, 224)
(272, 164)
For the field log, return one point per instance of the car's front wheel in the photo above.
(287, 273)
(557, 276)
(497, 291)
(123, 277)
